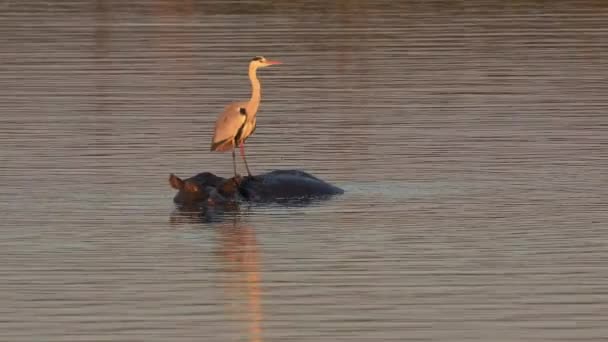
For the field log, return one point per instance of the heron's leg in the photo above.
(234, 163)
(244, 159)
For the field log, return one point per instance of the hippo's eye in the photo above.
(191, 187)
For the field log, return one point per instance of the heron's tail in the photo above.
(222, 146)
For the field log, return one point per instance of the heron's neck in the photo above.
(256, 93)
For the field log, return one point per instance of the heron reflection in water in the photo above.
(239, 249)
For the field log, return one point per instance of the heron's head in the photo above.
(261, 62)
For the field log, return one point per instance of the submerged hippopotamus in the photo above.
(278, 186)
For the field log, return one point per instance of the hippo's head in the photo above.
(204, 188)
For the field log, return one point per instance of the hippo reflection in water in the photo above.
(275, 186)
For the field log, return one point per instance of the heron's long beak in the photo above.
(273, 62)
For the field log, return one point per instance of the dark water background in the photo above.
(471, 138)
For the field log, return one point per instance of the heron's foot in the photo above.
(237, 179)
(252, 177)
(229, 187)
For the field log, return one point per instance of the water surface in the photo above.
(470, 139)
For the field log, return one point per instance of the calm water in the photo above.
(472, 143)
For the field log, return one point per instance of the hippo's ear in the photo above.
(191, 187)
(176, 182)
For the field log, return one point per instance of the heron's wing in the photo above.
(227, 126)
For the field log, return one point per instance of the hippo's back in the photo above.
(286, 184)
